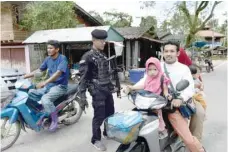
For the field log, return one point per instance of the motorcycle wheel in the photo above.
(140, 147)
(182, 149)
(208, 69)
(6, 133)
(75, 113)
(212, 68)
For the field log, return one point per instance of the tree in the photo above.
(213, 23)
(97, 16)
(118, 19)
(146, 4)
(223, 30)
(193, 20)
(148, 21)
(43, 15)
(165, 26)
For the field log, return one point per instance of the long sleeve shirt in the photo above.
(177, 72)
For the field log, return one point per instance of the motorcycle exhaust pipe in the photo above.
(62, 117)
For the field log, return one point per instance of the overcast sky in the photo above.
(160, 10)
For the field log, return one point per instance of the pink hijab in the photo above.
(153, 84)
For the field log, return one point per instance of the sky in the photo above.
(160, 10)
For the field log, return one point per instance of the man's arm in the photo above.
(29, 75)
(189, 91)
(26, 76)
(62, 68)
(84, 75)
(53, 77)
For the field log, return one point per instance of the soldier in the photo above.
(95, 75)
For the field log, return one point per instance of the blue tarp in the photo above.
(199, 44)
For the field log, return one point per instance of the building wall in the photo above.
(6, 22)
(37, 54)
(11, 14)
(13, 57)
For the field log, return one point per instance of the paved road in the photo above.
(215, 130)
(76, 138)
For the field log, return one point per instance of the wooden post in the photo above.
(136, 54)
(128, 54)
(27, 58)
(62, 48)
(123, 64)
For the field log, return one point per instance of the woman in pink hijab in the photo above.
(153, 85)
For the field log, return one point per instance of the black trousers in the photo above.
(103, 105)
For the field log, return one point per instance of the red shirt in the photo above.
(183, 58)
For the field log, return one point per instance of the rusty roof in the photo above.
(209, 33)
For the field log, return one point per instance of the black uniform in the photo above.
(95, 75)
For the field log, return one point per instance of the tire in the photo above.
(75, 117)
(18, 131)
(208, 69)
(212, 68)
(182, 149)
(140, 147)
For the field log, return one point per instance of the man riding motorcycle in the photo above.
(55, 86)
(177, 72)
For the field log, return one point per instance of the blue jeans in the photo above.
(47, 96)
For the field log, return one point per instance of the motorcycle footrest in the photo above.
(39, 122)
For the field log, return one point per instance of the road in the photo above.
(76, 138)
(215, 130)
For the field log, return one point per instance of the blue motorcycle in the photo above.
(23, 113)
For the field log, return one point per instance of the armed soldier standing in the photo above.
(95, 75)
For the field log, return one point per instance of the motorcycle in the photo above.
(209, 65)
(23, 113)
(148, 139)
(75, 75)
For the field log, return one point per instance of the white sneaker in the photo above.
(106, 137)
(99, 146)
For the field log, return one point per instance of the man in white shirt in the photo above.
(177, 72)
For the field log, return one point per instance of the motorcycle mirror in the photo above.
(181, 85)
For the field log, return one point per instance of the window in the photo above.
(40, 47)
(16, 13)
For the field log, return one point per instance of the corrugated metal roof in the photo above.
(82, 34)
(172, 37)
(209, 33)
(132, 32)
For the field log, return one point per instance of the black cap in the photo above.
(99, 34)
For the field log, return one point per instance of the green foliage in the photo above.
(118, 19)
(148, 21)
(193, 20)
(114, 18)
(43, 15)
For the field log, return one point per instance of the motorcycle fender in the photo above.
(22, 123)
(11, 113)
(150, 133)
